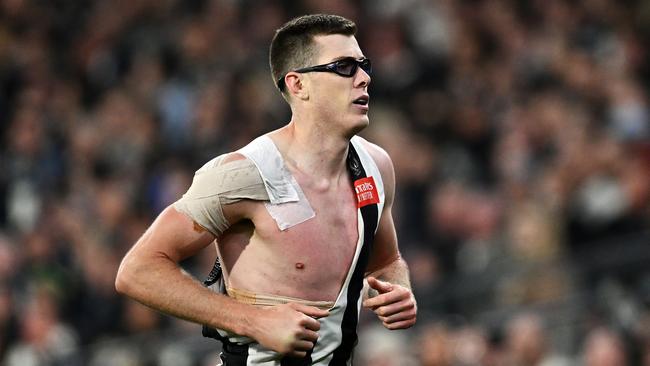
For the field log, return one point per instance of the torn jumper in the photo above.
(337, 336)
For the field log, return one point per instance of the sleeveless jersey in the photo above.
(338, 332)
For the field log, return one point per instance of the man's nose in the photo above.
(361, 79)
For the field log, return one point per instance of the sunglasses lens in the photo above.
(366, 66)
(346, 67)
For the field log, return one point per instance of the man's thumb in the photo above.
(381, 286)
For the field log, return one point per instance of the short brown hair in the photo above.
(292, 46)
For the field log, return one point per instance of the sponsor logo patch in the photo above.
(366, 190)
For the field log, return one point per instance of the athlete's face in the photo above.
(335, 99)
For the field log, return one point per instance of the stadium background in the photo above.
(519, 132)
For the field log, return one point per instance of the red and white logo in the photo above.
(366, 191)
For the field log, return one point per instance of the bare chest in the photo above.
(326, 241)
(309, 260)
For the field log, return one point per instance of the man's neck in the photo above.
(310, 150)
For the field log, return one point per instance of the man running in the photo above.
(301, 216)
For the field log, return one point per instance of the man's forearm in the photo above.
(161, 284)
(396, 272)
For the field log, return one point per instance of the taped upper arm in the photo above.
(222, 181)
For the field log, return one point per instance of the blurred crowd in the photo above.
(519, 131)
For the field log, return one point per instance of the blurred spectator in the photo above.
(603, 347)
(527, 343)
(470, 345)
(380, 348)
(44, 339)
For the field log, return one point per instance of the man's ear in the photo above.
(297, 85)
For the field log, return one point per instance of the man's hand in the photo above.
(394, 305)
(289, 329)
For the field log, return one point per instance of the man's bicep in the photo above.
(174, 235)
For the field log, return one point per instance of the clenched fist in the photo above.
(289, 329)
(394, 305)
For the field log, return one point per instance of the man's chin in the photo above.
(359, 126)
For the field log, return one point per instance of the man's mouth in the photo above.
(362, 100)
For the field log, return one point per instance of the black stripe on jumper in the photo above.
(292, 361)
(233, 354)
(369, 213)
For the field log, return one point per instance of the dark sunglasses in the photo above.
(345, 67)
